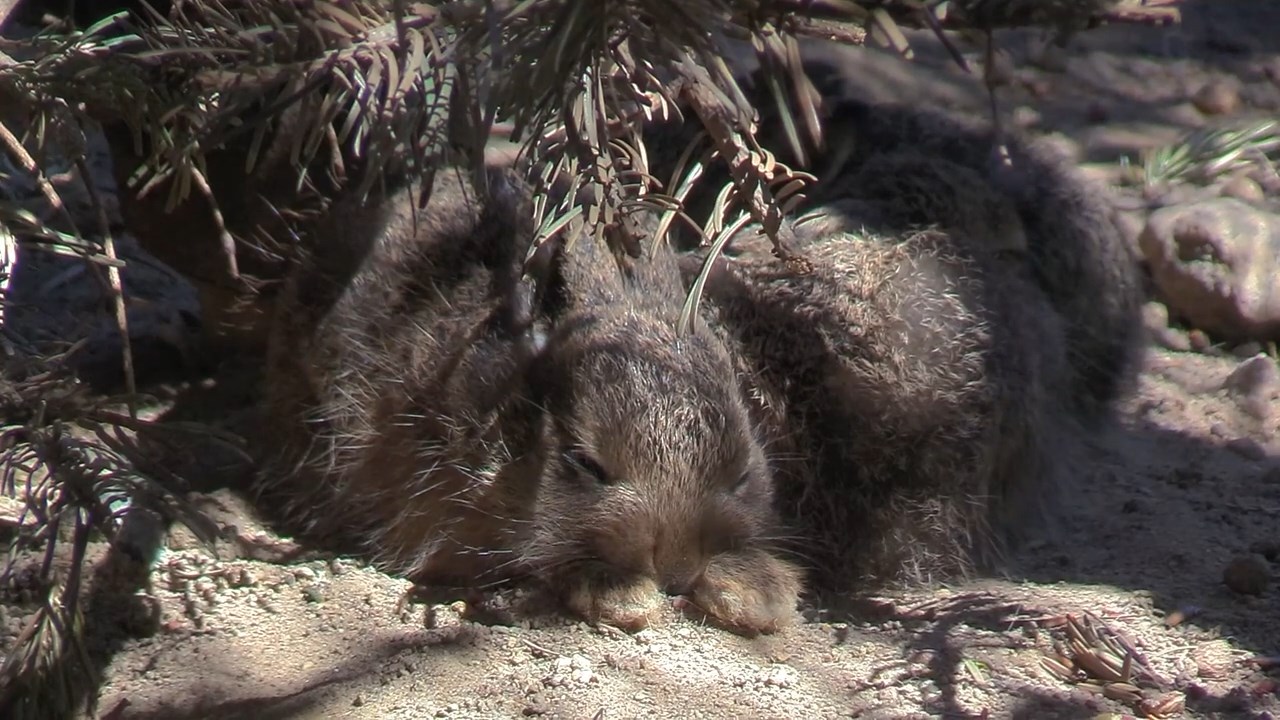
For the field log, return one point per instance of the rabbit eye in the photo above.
(587, 465)
(743, 480)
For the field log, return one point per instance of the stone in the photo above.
(1257, 375)
(1155, 317)
(1214, 263)
(1247, 575)
(1244, 188)
(1246, 350)
(1217, 97)
(1255, 386)
(1025, 116)
(1199, 341)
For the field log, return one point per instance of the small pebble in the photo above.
(1199, 340)
(1243, 188)
(1247, 575)
(1025, 117)
(1254, 382)
(1257, 374)
(1217, 97)
(1246, 350)
(1155, 317)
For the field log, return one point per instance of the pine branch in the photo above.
(1205, 154)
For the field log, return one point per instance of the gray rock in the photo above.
(1247, 575)
(1246, 350)
(1244, 188)
(1220, 96)
(1215, 262)
(1254, 384)
(1155, 317)
(1258, 374)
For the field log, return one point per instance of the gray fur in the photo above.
(911, 387)
(904, 405)
(920, 169)
(428, 419)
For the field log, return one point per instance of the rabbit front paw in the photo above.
(628, 604)
(749, 593)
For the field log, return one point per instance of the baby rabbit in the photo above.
(926, 386)
(466, 435)
(918, 168)
(912, 389)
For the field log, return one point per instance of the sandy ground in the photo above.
(1190, 481)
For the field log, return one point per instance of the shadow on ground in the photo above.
(1118, 90)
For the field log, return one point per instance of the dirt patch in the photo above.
(1159, 518)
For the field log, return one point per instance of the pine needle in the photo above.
(1205, 154)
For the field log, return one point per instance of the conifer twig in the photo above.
(117, 287)
(14, 146)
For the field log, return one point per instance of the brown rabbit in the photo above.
(593, 449)
(912, 386)
(917, 168)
